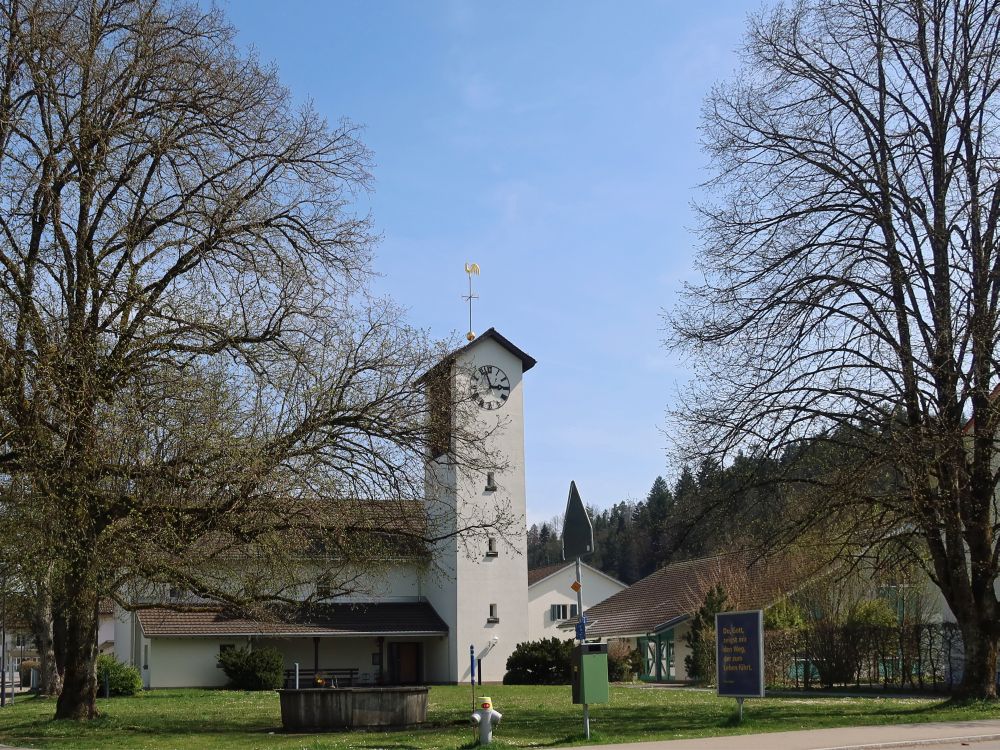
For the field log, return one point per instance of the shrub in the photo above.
(25, 670)
(623, 660)
(784, 615)
(835, 651)
(122, 679)
(873, 613)
(543, 662)
(259, 669)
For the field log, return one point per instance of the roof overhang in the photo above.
(527, 361)
(671, 623)
(327, 621)
(300, 634)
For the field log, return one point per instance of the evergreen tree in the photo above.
(700, 639)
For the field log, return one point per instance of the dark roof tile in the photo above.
(536, 575)
(676, 591)
(382, 618)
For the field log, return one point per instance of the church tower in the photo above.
(479, 581)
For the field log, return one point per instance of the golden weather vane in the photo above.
(471, 269)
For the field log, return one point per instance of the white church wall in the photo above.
(398, 582)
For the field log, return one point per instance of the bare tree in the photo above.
(852, 278)
(195, 387)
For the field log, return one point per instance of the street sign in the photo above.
(577, 541)
(578, 533)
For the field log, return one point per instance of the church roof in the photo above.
(527, 361)
(343, 619)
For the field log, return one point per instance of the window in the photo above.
(145, 656)
(175, 593)
(491, 484)
(491, 547)
(560, 612)
(494, 614)
(324, 590)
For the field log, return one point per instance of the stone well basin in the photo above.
(352, 707)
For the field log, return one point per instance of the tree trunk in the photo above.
(78, 699)
(49, 679)
(979, 674)
(50, 682)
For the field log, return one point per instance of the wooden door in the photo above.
(409, 663)
(404, 663)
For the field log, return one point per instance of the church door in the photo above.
(404, 663)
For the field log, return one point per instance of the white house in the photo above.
(418, 621)
(551, 601)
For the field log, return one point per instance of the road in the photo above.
(951, 735)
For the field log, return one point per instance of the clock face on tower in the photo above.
(490, 387)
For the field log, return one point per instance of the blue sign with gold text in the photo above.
(739, 654)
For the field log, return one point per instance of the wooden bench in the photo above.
(332, 677)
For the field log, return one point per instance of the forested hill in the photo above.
(631, 539)
(706, 511)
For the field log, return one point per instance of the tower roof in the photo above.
(527, 361)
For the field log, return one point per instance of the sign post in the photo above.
(472, 673)
(472, 677)
(577, 541)
(739, 655)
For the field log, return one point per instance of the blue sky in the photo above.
(554, 143)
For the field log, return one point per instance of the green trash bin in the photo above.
(590, 673)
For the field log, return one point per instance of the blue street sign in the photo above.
(472, 661)
(581, 628)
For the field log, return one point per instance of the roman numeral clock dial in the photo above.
(490, 387)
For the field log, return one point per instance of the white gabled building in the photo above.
(552, 602)
(419, 621)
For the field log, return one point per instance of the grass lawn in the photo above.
(533, 717)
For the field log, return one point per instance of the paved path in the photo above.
(950, 735)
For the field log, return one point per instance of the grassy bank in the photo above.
(533, 717)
